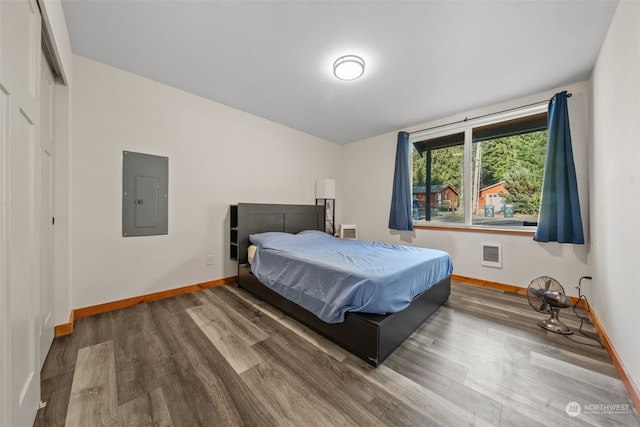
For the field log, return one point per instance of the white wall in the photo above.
(366, 192)
(615, 175)
(217, 156)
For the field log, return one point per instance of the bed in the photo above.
(372, 337)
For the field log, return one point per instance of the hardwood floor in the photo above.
(219, 357)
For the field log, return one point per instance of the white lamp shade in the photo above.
(325, 189)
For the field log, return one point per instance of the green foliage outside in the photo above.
(446, 167)
(524, 189)
(419, 166)
(517, 160)
(502, 154)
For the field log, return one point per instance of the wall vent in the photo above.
(348, 231)
(492, 255)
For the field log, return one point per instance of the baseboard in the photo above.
(65, 328)
(632, 389)
(78, 313)
(487, 284)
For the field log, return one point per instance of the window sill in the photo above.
(475, 229)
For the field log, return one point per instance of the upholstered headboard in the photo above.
(260, 218)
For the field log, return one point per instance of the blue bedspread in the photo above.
(330, 276)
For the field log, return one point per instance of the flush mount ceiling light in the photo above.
(348, 67)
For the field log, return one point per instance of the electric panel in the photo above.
(145, 194)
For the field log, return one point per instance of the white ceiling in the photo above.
(273, 59)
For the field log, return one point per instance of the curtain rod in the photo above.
(466, 119)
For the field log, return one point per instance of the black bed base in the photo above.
(372, 337)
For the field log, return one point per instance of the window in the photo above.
(438, 164)
(486, 173)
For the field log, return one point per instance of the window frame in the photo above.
(467, 126)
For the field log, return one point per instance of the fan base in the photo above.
(555, 325)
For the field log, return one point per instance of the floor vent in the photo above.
(492, 255)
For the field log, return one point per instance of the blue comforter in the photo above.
(330, 276)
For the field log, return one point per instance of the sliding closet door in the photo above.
(19, 257)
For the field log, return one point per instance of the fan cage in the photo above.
(536, 290)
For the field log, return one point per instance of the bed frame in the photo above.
(372, 337)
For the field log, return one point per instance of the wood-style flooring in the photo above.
(219, 357)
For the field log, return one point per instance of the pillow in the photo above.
(260, 238)
(312, 232)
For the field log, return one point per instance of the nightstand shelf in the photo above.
(233, 232)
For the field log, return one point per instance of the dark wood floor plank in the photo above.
(55, 391)
(298, 350)
(140, 342)
(171, 313)
(335, 388)
(212, 390)
(147, 410)
(287, 398)
(186, 397)
(139, 336)
(64, 350)
(240, 300)
(259, 312)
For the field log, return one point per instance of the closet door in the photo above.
(19, 256)
(44, 169)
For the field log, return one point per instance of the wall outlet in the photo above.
(209, 259)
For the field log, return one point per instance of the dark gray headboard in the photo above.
(260, 218)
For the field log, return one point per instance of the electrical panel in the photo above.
(145, 194)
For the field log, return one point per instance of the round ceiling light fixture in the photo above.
(348, 67)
